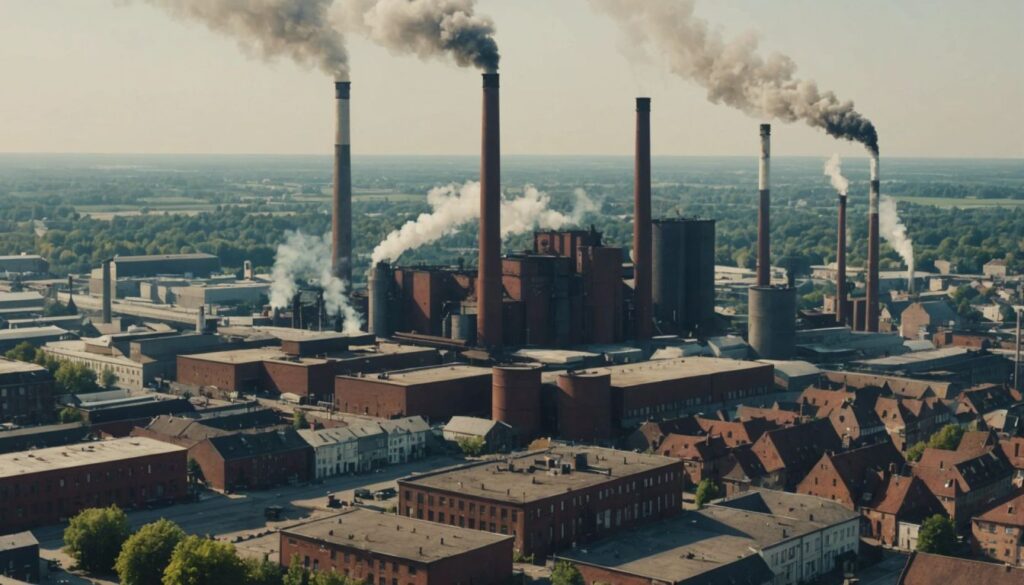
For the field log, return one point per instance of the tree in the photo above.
(937, 535)
(195, 472)
(108, 379)
(916, 450)
(299, 420)
(94, 538)
(262, 572)
(146, 553)
(566, 573)
(23, 352)
(75, 378)
(199, 561)
(948, 437)
(706, 491)
(472, 446)
(296, 573)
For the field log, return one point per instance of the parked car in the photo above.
(364, 494)
(385, 494)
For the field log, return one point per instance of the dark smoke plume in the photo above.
(426, 28)
(299, 29)
(733, 72)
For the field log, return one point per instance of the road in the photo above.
(239, 517)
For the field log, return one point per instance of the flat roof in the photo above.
(396, 536)
(649, 372)
(81, 454)
(15, 367)
(17, 540)
(240, 356)
(76, 348)
(529, 481)
(429, 374)
(156, 257)
(32, 332)
(917, 357)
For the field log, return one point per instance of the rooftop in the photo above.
(17, 540)
(31, 332)
(414, 376)
(928, 569)
(396, 536)
(14, 464)
(16, 367)
(652, 372)
(531, 476)
(152, 257)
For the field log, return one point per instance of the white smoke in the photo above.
(456, 205)
(834, 172)
(894, 231)
(304, 258)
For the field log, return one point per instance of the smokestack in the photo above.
(297, 311)
(642, 285)
(763, 225)
(841, 307)
(379, 289)
(107, 292)
(341, 220)
(488, 285)
(872, 276)
(201, 320)
(320, 310)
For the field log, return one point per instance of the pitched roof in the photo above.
(694, 447)
(1013, 450)
(897, 491)
(976, 441)
(948, 472)
(798, 447)
(777, 416)
(185, 430)
(735, 432)
(1008, 512)
(862, 470)
(742, 465)
(928, 569)
(470, 425)
(256, 443)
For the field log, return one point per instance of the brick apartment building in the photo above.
(998, 534)
(26, 393)
(965, 482)
(387, 548)
(787, 454)
(41, 487)
(846, 477)
(910, 420)
(928, 569)
(435, 393)
(549, 500)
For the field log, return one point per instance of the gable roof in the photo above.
(949, 473)
(257, 443)
(694, 447)
(471, 425)
(928, 569)
(862, 470)
(898, 493)
(1008, 512)
(797, 448)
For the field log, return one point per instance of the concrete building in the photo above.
(384, 548)
(951, 364)
(549, 500)
(435, 393)
(97, 356)
(998, 534)
(760, 537)
(192, 265)
(24, 264)
(26, 393)
(995, 269)
(19, 557)
(46, 485)
(37, 336)
(26, 301)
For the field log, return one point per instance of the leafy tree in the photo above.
(200, 561)
(299, 420)
(916, 450)
(23, 352)
(262, 572)
(937, 535)
(94, 538)
(108, 379)
(75, 378)
(472, 446)
(948, 437)
(706, 491)
(566, 573)
(146, 553)
(333, 578)
(47, 361)
(296, 573)
(195, 472)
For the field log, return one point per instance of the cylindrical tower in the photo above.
(488, 282)
(771, 330)
(341, 218)
(842, 307)
(643, 315)
(872, 277)
(379, 288)
(515, 398)
(763, 224)
(585, 405)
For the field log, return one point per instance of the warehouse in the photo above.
(435, 393)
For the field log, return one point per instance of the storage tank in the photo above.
(700, 277)
(379, 292)
(771, 328)
(585, 405)
(669, 264)
(515, 398)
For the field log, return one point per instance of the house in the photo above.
(371, 444)
(928, 569)
(737, 432)
(965, 482)
(998, 534)
(852, 478)
(335, 451)
(703, 456)
(894, 513)
(255, 459)
(927, 317)
(407, 438)
(497, 436)
(980, 400)
(909, 420)
(850, 413)
(995, 269)
(775, 415)
(790, 452)
(649, 435)
(741, 471)
(1013, 451)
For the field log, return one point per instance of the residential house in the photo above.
(965, 482)
(497, 436)
(928, 569)
(927, 317)
(998, 534)
(894, 513)
(254, 459)
(19, 557)
(703, 456)
(407, 438)
(741, 471)
(909, 420)
(649, 435)
(335, 451)
(371, 443)
(790, 452)
(1013, 451)
(995, 269)
(854, 477)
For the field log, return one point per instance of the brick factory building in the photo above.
(41, 487)
(435, 393)
(549, 500)
(385, 548)
(26, 393)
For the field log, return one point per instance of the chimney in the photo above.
(488, 281)
(763, 224)
(201, 320)
(297, 311)
(247, 272)
(642, 284)
(341, 220)
(71, 294)
(107, 292)
(871, 323)
(841, 308)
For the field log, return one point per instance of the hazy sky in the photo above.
(938, 78)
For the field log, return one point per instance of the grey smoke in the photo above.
(732, 71)
(306, 259)
(834, 172)
(426, 28)
(297, 29)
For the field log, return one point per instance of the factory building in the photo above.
(43, 486)
(374, 547)
(192, 265)
(26, 393)
(436, 393)
(684, 276)
(549, 500)
(24, 264)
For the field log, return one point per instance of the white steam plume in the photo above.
(834, 172)
(455, 205)
(303, 258)
(298, 29)
(426, 28)
(733, 72)
(894, 231)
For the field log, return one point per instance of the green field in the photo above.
(962, 203)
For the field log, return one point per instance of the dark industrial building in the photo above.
(26, 393)
(41, 437)
(684, 276)
(435, 393)
(19, 557)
